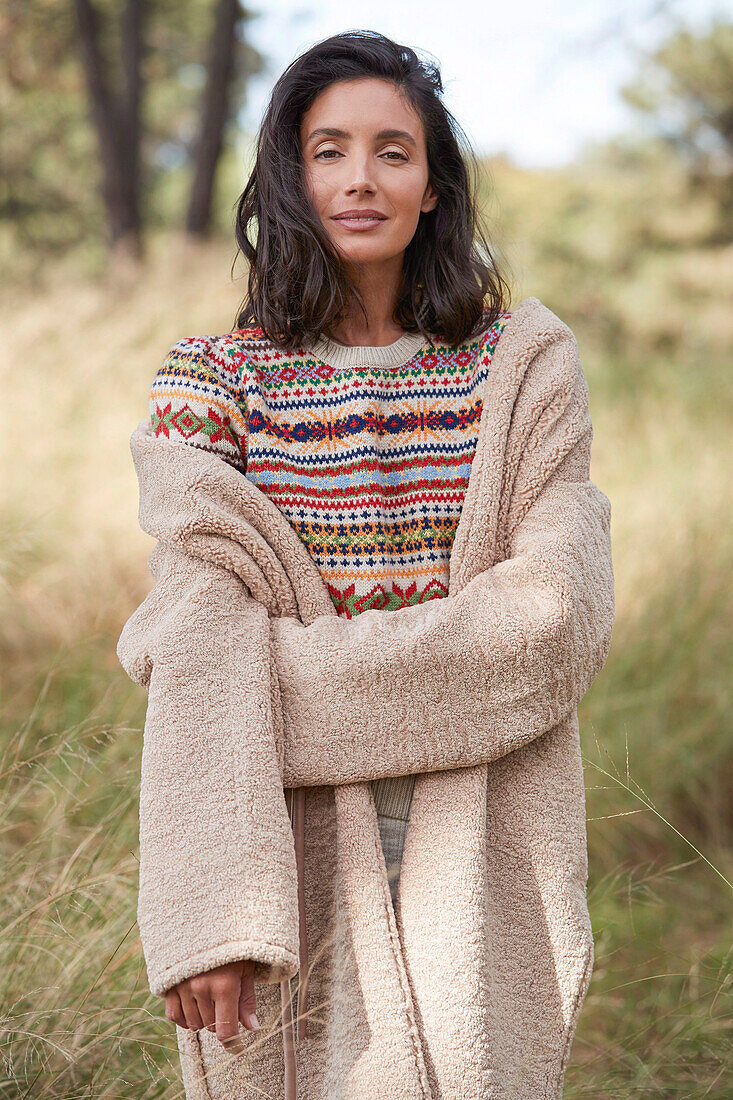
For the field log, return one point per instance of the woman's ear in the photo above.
(429, 200)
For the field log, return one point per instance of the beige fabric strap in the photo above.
(295, 801)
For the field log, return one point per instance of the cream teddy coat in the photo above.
(269, 715)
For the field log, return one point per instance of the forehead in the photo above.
(363, 106)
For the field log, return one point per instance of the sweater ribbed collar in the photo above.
(396, 354)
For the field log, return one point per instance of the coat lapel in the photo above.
(445, 896)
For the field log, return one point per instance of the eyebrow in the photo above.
(333, 131)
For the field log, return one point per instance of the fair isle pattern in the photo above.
(195, 396)
(369, 463)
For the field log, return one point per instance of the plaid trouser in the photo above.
(392, 798)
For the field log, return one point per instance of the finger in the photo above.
(226, 996)
(248, 1000)
(190, 1009)
(205, 1004)
(174, 1009)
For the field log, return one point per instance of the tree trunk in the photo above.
(116, 118)
(214, 115)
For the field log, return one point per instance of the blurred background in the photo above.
(605, 132)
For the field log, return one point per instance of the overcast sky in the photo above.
(532, 79)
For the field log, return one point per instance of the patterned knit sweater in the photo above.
(366, 450)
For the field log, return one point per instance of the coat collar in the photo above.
(531, 327)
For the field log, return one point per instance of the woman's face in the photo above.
(364, 149)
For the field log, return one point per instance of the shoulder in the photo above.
(540, 352)
(493, 327)
(220, 358)
(198, 395)
(481, 343)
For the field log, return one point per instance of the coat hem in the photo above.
(557, 1090)
(191, 1057)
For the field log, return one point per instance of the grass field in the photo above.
(77, 1017)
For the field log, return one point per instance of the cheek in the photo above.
(406, 206)
(407, 197)
(315, 189)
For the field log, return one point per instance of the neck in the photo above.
(378, 285)
(373, 336)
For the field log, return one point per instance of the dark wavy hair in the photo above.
(298, 286)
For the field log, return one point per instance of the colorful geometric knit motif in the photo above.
(369, 464)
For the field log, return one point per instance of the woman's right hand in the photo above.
(217, 999)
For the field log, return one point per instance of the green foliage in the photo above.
(685, 92)
(623, 244)
(50, 195)
(686, 88)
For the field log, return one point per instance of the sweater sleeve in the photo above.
(462, 680)
(196, 397)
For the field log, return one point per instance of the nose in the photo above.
(362, 181)
(360, 188)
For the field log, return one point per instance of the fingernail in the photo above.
(254, 1022)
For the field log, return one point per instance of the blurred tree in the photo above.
(116, 117)
(215, 114)
(632, 241)
(53, 187)
(686, 91)
(47, 144)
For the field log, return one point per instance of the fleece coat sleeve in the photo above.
(463, 680)
(217, 877)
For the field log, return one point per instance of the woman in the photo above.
(351, 393)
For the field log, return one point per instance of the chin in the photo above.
(367, 252)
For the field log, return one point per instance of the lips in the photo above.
(360, 215)
(360, 221)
